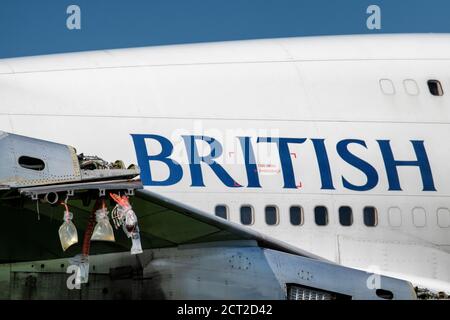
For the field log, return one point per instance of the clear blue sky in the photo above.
(31, 27)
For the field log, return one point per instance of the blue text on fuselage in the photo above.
(419, 161)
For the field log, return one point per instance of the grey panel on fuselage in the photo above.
(60, 161)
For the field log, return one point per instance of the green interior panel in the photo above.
(30, 231)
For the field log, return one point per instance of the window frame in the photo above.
(376, 218)
(302, 215)
(387, 86)
(439, 87)
(351, 216)
(410, 84)
(395, 217)
(439, 218)
(277, 215)
(227, 211)
(327, 216)
(415, 212)
(252, 211)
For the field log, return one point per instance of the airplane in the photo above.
(329, 152)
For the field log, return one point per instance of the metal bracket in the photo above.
(129, 186)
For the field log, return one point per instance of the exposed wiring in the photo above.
(90, 228)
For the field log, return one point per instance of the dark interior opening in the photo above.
(246, 215)
(321, 215)
(221, 212)
(435, 87)
(31, 163)
(271, 215)
(296, 216)
(370, 217)
(385, 294)
(345, 216)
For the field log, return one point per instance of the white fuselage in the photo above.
(346, 103)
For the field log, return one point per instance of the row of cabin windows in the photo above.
(411, 87)
(345, 213)
(296, 216)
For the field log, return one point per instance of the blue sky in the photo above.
(39, 27)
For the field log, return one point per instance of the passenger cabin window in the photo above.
(345, 216)
(370, 216)
(395, 217)
(435, 87)
(419, 217)
(443, 217)
(387, 87)
(247, 215)
(222, 211)
(321, 215)
(411, 87)
(271, 215)
(296, 215)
